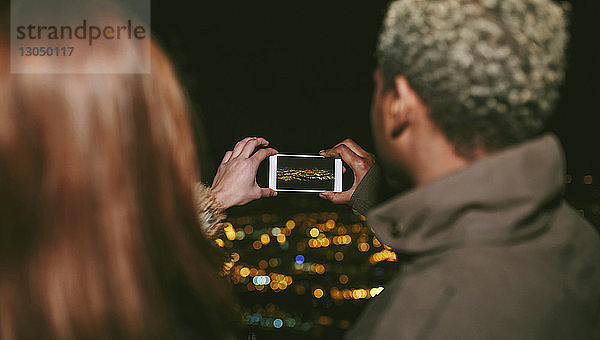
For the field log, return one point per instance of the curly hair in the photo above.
(489, 70)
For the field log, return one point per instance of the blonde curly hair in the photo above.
(489, 70)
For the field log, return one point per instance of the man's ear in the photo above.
(408, 107)
(401, 106)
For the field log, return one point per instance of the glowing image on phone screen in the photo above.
(297, 173)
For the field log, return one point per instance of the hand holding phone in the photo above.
(357, 158)
(235, 181)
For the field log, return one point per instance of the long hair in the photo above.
(98, 233)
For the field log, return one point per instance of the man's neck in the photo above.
(439, 159)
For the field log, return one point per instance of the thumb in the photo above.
(266, 192)
(337, 197)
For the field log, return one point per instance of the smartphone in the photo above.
(305, 173)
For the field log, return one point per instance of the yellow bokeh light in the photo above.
(263, 264)
(220, 242)
(319, 269)
(281, 238)
(227, 266)
(384, 255)
(338, 256)
(265, 239)
(343, 279)
(336, 294)
(229, 231)
(330, 224)
(375, 291)
(244, 272)
(235, 257)
(342, 239)
(359, 294)
(376, 242)
(314, 232)
(290, 224)
(253, 272)
(363, 247)
(248, 229)
(588, 179)
(257, 245)
(318, 293)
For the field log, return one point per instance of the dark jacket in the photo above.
(498, 254)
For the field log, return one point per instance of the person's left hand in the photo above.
(235, 181)
(359, 160)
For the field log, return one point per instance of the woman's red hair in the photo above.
(98, 233)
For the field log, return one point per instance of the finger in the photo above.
(260, 155)
(227, 157)
(239, 146)
(266, 192)
(343, 169)
(354, 147)
(337, 197)
(343, 151)
(251, 145)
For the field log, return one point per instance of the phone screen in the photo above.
(305, 173)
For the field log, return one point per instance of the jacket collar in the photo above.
(491, 200)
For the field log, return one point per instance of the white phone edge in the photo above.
(337, 185)
(273, 172)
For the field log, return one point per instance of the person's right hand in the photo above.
(359, 160)
(235, 181)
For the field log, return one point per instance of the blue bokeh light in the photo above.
(299, 259)
(277, 323)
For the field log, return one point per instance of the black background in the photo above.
(300, 73)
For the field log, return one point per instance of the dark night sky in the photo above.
(300, 73)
